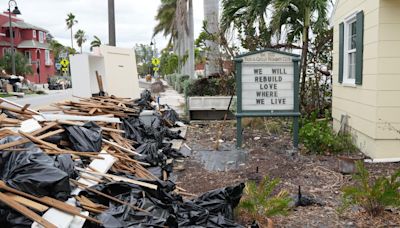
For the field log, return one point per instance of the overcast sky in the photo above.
(134, 19)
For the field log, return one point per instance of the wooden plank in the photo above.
(25, 211)
(22, 141)
(118, 178)
(121, 147)
(27, 202)
(50, 202)
(18, 105)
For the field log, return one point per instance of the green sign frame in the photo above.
(295, 112)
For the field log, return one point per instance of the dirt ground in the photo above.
(273, 155)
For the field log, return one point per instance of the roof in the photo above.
(32, 44)
(267, 50)
(23, 25)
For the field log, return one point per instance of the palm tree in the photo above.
(80, 37)
(249, 18)
(71, 21)
(211, 24)
(166, 20)
(296, 17)
(56, 47)
(96, 42)
(175, 19)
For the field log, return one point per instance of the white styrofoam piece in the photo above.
(30, 125)
(55, 117)
(56, 217)
(78, 222)
(103, 165)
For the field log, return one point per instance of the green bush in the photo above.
(171, 78)
(179, 84)
(258, 201)
(372, 195)
(318, 137)
(211, 87)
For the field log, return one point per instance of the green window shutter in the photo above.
(359, 46)
(341, 51)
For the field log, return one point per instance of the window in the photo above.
(28, 55)
(351, 35)
(34, 33)
(8, 33)
(41, 36)
(350, 49)
(6, 51)
(47, 58)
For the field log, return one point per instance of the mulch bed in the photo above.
(272, 154)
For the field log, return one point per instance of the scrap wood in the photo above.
(27, 202)
(55, 117)
(25, 211)
(121, 147)
(26, 140)
(84, 201)
(126, 158)
(50, 202)
(80, 185)
(78, 123)
(92, 155)
(118, 178)
(18, 105)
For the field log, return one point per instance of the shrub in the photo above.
(372, 195)
(258, 201)
(179, 84)
(212, 87)
(318, 137)
(171, 78)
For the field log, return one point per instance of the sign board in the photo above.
(155, 61)
(64, 62)
(58, 66)
(63, 55)
(267, 85)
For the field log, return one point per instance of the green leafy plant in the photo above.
(22, 67)
(318, 137)
(259, 201)
(372, 194)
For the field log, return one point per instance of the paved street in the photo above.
(41, 101)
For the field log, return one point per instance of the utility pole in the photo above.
(111, 23)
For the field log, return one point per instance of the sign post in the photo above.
(267, 84)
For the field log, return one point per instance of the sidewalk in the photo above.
(171, 97)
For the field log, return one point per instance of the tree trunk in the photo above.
(304, 56)
(191, 62)
(211, 9)
(72, 39)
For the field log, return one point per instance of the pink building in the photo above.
(29, 40)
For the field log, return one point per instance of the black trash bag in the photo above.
(86, 138)
(222, 200)
(66, 164)
(144, 100)
(133, 129)
(171, 152)
(166, 209)
(11, 218)
(151, 154)
(33, 171)
(170, 115)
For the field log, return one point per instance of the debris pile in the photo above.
(100, 162)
